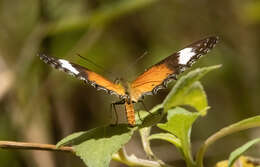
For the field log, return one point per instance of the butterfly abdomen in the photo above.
(130, 112)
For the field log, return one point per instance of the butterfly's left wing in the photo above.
(157, 76)
(88, 76)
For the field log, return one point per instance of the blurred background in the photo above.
(41, 104)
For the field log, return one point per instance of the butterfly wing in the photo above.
(157, 76)
(85, 74)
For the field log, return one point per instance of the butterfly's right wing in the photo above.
(157, 76)
(82, 73)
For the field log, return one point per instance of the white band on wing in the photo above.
(65, 64)
(185, 55)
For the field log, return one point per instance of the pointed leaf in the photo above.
(184, 86)
(239, 151)
(179, 124)
(196, 97)
(150, 118)
(167, 137)
(95, 147)
(69, 140)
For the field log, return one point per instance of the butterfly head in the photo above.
(123, 83)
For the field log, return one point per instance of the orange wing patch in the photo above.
(85, 74)
(149, 80)
(102, 83)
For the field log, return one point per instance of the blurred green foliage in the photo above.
(44, 105)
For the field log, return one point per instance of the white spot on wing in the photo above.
(65, 64)
(185, 55)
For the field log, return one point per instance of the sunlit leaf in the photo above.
(239, 151)
(196, 97)
(95, 147)
(167, 137)
(187, 92)
(179, 124)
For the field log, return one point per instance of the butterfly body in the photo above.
(130, 112)
(148, 83)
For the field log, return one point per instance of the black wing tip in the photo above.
(214, 36)
(43, 56)
(213, 39)
(40, 54)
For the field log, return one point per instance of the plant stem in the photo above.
(121, 156)
(33, 146)
(242, 125)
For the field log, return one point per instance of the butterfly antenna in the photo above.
(137, 60)
(90, 61)
(140, 57)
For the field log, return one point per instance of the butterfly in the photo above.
(148, 83)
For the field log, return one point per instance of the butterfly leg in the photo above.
(113, 106)
(139, 116)
(145, 107)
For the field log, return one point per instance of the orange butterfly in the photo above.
(154, 78)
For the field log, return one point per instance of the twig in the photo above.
(121, 156)
(33, 146)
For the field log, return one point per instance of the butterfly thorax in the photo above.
(129, 93)
(126, 85)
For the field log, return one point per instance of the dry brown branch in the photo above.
(120, 157)
(33, 146)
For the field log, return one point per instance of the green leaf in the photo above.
(196, 97)
(187, 91)
(167, 137)
(179, 124)
(239, 151)
(96, 146)
(239, 126)
(69, 140)
(150, 118)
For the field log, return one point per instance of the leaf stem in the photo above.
(145, 133)
(242, 125)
